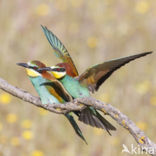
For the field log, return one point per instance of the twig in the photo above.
(144, 142)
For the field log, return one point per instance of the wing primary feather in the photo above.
(60, 50)
(97, 74)
(127, 60)
(53, 40)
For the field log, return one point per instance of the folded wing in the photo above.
(56, 88)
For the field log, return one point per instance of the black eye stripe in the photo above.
(59, 69)
(35, 68)
(62, 69)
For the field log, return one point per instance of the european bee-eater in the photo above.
(88, 116)
(50, 94)
(90, 80)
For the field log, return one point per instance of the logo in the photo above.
(137, 150)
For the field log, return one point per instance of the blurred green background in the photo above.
(92, 31)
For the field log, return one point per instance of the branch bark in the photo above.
(143, 141)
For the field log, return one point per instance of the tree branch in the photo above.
(144, 142)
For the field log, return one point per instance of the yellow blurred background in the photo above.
(92, 31)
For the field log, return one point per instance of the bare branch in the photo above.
(145, 143)
(24, 95)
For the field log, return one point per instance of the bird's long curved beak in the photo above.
(45, 69)
(23, 65)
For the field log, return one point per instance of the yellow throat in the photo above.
(58, 75)
(32, 73)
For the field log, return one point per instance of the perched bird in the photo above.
(55, 93)
(89, 115)
(89, 81)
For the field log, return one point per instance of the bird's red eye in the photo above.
(35, 68)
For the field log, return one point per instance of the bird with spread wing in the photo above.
(89, 81)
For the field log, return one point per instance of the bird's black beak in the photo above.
(23, 65)
(45, 69)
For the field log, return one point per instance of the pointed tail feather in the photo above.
(75, 126)
(91, 117)
(107, 124)
(88, 118)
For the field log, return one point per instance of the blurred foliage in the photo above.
(92, 31)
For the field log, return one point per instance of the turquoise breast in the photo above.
(74, 88)
(44, 94)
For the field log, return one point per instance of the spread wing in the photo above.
(96, 75)
(56, 88)
(60, 50)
